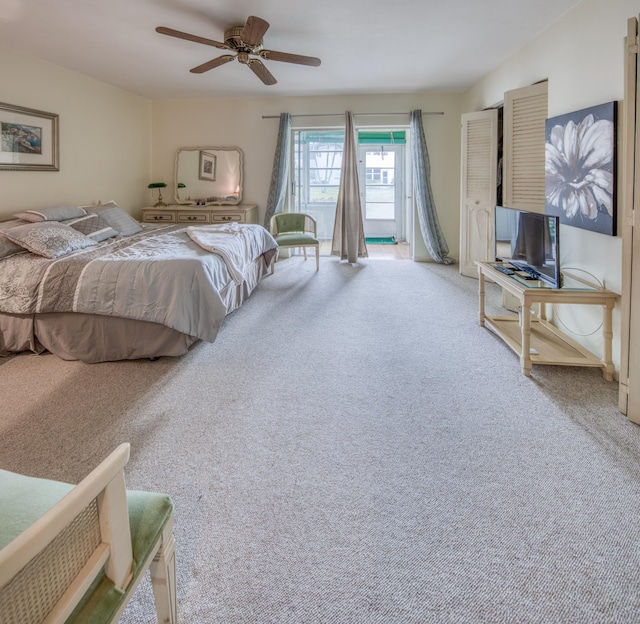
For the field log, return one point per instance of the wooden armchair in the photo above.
(296, 229)
(76, 554)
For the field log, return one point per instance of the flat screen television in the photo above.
(530, 242)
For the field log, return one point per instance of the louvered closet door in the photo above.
(478, 182)
(629, 389)
(525, 112)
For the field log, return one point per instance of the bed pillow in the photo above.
(92, 226)
(117, 218)
(54, 213)
(48, 239)
(8, 247)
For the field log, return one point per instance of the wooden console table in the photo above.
(531, 336)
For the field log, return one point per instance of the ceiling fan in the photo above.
(246, 42)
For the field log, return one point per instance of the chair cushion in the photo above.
(23, 500)
(295, 239)
(148, 514)
(290, 222)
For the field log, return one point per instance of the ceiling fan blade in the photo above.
(258, 68)
(272, 55)
(183, 35)
(254, 30)
(216, 62)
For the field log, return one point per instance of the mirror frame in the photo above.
(219, 201)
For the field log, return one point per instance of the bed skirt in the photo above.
(92, 338)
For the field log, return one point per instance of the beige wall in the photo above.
(582, 56)
(239, 122)
(105, 137)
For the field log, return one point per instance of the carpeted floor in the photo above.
(354, 448)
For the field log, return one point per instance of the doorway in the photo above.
(381, 190)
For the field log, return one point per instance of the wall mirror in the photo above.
(208, 175)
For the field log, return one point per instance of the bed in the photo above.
(152, 292)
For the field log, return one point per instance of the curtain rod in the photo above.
(358, 114)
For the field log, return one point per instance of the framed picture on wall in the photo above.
(580, 160)
(207, 166)
(28, 139)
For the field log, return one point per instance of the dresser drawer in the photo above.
(164, 216)
(227, 217)
(241, 213)
(193, 217)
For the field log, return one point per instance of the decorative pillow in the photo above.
(48, 239)
(54, 213)
(92, 226)
(8, 247)
(117, 218)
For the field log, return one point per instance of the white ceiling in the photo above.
(366, 46)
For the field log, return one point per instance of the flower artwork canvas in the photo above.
(580, 168)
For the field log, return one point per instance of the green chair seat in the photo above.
(295, 239)
(148, 513)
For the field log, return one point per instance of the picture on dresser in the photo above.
(28, 139)
(207, 166)
(580, 168)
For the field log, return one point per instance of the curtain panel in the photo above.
(348, 231)
(280, 171)
(427, 215)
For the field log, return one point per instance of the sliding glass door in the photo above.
(317, 162)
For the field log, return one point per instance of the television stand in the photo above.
(531, 336)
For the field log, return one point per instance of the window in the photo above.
(317, 156)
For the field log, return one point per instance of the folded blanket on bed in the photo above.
(238, 244)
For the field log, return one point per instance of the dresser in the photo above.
(177, 213)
